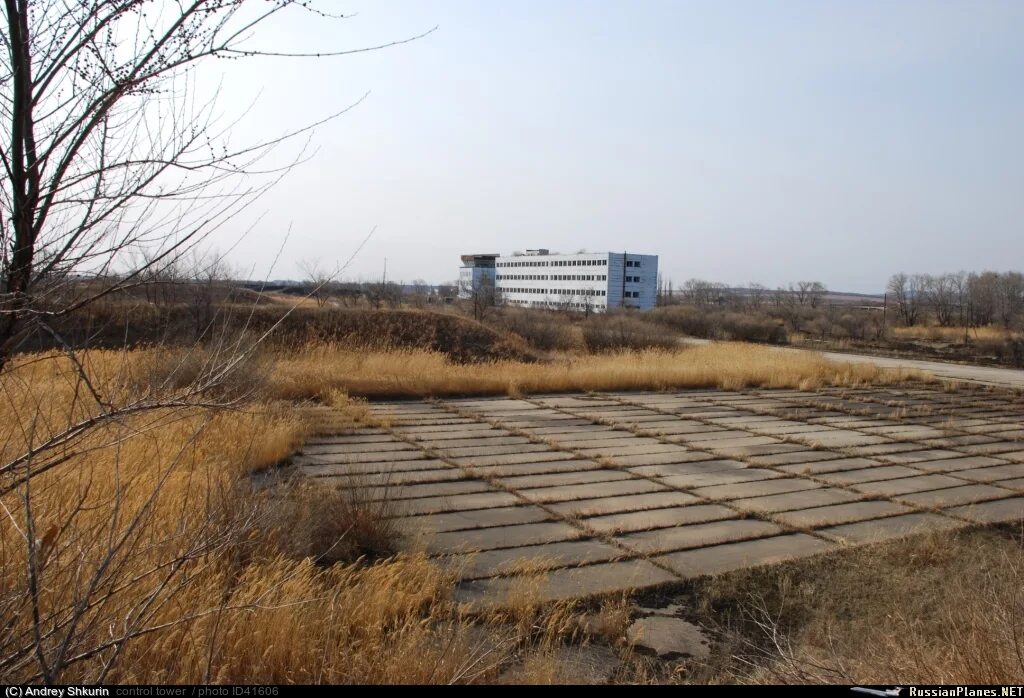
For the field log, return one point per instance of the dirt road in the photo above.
(987, 375)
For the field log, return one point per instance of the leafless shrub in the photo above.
(543, 330)
(613, 331)
(722, 325)
(331, 524)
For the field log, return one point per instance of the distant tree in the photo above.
(484, 298)
(419, 293)
(982, 298)
(208, 281)
(1009, 298)
(808, 293)
(907, 295)
(383, 293)
(940, 294)
(958, 281)
(756, 294)
(664, 293)
(318, 281)
(704, 293)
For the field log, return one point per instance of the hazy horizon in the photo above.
(741, 142)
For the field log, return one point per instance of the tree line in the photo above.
(959, 299)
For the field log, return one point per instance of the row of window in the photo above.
(555, 304)
(555, 277)
(632, 262)
(632, 294)
(557, 291)
(561, 263)
(635, 279)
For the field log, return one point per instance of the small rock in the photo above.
(672, 610)
(668, 638)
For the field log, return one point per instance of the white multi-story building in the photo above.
(585, 281)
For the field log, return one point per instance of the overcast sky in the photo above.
(740, 141)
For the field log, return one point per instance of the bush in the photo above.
(722, 325)
(161, 370)
(1009, 351)
(331, 524)
(615, 331)
(543, 330)
(686, 319)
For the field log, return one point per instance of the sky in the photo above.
(740, 141)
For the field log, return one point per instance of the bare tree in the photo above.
(112, 146)
(383, 293)
(207, 276)
(1010, 298)
(111, 152)
(703, 293)
(318, 280)
(906, 291)
(940, 294)
(756, 294)
(419, 293)
(484, 298)
(808, 293)
(960, 289)
(982, 297)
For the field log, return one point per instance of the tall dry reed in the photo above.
(317, 369)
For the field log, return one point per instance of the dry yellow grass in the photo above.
(953, 334)
(939, 608)
(318, 369)
(150, 562)
(150, 555)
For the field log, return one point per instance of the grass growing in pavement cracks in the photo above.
(943, 607)
(317, 369)
(146, 556)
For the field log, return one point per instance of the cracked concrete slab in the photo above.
(717, 559)
(664, 540)
(609, 492)
(531, 558)
(790, 501)
(840, 513)
(877, 530)
(429, 524)
(657, 518)
(565, 583)
(611, 505)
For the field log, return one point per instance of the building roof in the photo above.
(479, 257)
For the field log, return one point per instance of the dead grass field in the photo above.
(953, 334)
(154, 560)
(941, 608)
(143, 512)
(317, 369)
